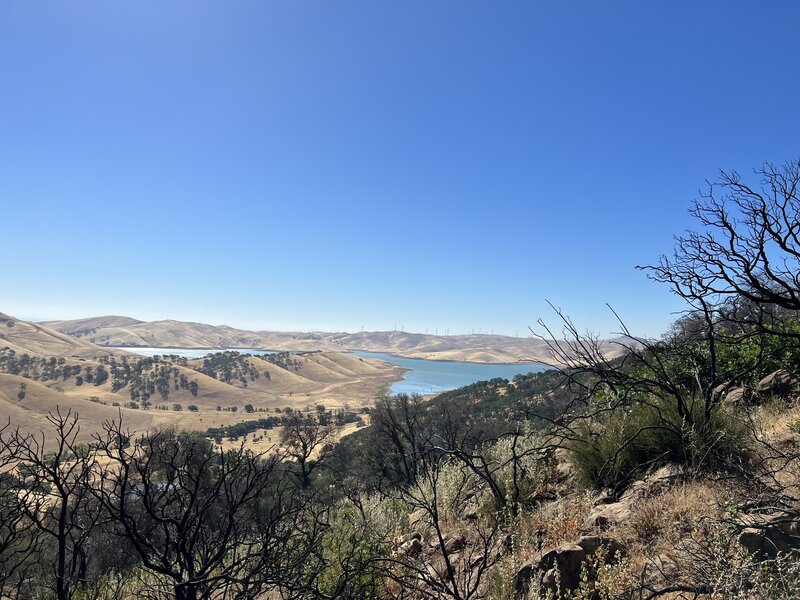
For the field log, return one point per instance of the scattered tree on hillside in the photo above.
(100, 375)
(144, 377)
(284, 360)
(230, 366)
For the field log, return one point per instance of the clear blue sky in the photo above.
(334, 164)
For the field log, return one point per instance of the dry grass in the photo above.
(269, 440)
(673, 515)
(335, 380)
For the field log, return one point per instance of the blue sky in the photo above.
(338, 165)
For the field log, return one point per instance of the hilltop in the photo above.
(40, 340)
(124, 331)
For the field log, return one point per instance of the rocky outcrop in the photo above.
(779, 384)
(412, 548)
(738, 396)
(409, 544)
(656, 483)
(559, 570)
(605, 516)
(592, 543)
(766, 536)
(454, 543)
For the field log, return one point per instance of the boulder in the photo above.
(605, 515)
(412, 548)
(523, 581)
(787, 523)
(766, 535)
(738, 395)
(437, 568)
(592, 543)
(407, 537)
(779, 384)
(454, 543)
(768, 542)
(470, 512)
(719, 390)
(558, 570)
(656, 483)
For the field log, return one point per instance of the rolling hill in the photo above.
(41, 369)
(40, 340)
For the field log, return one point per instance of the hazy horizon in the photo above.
(430, 331)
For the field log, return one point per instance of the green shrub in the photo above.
(356, 538)
(651, 433)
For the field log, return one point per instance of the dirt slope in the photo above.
(39, 340)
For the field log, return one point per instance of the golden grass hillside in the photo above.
(33, 338)
(42, 370)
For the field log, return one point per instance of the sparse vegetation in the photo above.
(671, 470)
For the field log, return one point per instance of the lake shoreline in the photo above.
(430, 377)
(212, 349)
(450, 360)
(424, 376)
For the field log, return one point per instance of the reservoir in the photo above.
(434, 376)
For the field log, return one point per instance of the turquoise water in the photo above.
(434, 376)
(188, 352)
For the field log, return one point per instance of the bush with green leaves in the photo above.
(355, 544)
(612, 450)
